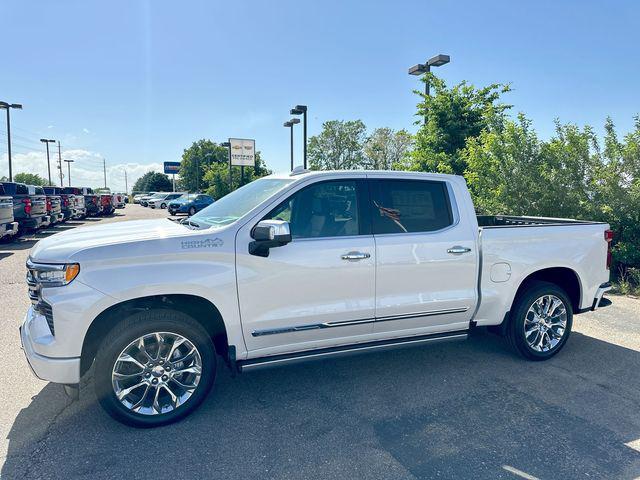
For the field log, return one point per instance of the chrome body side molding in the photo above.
(315, 326)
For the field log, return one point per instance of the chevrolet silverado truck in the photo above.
(8, 228)
(295, 267)
(54, 204)
(30, 211)
(66, 201)
(78, 207)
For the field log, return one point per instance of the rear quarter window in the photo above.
(410, 206)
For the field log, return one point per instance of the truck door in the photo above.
(318, 290)
(426, 263)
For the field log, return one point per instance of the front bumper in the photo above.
(57, 370)
(7, 229)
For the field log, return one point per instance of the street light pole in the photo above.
(227, 145)
(297, 110)
(60, 164)
(423, 68)
(69, 162)
(290, 125)
(47, 142)
(7, 106)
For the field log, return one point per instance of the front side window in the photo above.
(325, 209)
(409, 206)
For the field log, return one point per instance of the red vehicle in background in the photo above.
(106, 204)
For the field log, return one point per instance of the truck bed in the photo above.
(502, 221)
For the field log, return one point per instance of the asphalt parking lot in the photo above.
(460, 410)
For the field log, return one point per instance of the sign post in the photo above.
(172, 168)
(242, 153)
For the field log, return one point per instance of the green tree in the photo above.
(216, 176)
(196, 161)
(453, 115)
(153, 182)
(386, 149)
(340, 146)
(29, 179)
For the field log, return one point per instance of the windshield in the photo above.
(239, 202)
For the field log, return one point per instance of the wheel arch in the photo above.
(564, 277)
(199, 308)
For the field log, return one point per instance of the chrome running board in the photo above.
(354, 349)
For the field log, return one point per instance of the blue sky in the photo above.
(136, 81)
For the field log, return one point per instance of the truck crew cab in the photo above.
(295, 267)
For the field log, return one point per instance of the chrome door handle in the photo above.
(355, 256)
(457, 250)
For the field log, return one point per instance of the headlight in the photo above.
(54, 275)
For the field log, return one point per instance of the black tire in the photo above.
(134, 327)
(192, 211)
(516, 328)
(163, 205)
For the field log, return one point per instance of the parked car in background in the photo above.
(119, 200)
(66, 200)
(144, 201)
(106, 204)
(54, 205)
(8, 227)
(91, 202)
(37, 194)
(30, 211)
(189, 204)
(297, 267)
(161, 200)
(79, 208)
(138, 196)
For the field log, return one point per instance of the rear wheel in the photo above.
(163, 205)
(154, 368)
(541, 321)
(192, 211)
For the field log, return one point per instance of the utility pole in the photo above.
(69, 162)
(104, 169)
(47, 142)
(60, 164)
(126, 186)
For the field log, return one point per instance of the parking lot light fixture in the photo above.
(302, 110)
(290, 125)
(47, 141)
(422, 68)
(8, 106)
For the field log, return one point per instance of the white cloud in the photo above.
(86, 169)
(86, 130)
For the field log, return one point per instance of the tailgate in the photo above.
(6, 209)
(56, 204)
(38, 205)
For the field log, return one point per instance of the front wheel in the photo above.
(163, 205)
(192, 211)
(541, 321)
(154, 368)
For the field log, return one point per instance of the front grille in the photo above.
(39, 305)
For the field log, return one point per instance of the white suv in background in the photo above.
(161, 200)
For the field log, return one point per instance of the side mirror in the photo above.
(269, 234)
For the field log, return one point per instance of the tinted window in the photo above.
(21, 189)
(405, 206)
(326, 209)
(10, 188)
(39, 191)
(2, 192)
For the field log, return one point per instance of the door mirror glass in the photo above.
(269, 234)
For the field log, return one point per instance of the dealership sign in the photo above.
(243, 152)
(171, 167)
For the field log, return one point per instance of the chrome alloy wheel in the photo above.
(156, 373)
(545, 323)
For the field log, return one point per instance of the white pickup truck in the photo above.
(295, 267)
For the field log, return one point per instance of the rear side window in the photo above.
(409, 206)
